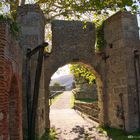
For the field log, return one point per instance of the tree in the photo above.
(12, 3)
(68, 8)
(76, 8)
(82, 73)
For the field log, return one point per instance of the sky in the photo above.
(62, 71)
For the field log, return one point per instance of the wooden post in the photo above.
(32, 107)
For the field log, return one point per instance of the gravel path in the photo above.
(70, 125)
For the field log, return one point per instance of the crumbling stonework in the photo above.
(73, 44)
(122, 38)
(114, 67)
(117, 69)
(32, 23)
(10, 85)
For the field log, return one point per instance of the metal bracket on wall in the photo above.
(32, 103)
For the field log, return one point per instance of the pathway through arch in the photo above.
(69, 124)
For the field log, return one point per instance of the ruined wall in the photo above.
(32, 22)
(10, 85)
(117, 83)
(121, 36)
(118, 78)
(71, 43)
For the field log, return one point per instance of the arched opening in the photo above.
(88, 101)
(14, 110)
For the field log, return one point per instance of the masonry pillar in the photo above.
(122, 38)
(32, 22)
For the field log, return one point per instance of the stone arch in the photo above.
(52, 64)
(115, 65)
(72, 43)
(14, 110)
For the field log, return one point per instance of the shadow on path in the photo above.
(69, 125)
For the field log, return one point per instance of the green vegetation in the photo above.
(74, 8)
(57, 84)
(72, 100)
(117, 134)
(71, 8)
(86, 100)
(100, 42)
(53, 100)
(82, 71)
(50, 135)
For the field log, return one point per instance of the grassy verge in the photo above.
(53, 100)
(50, 135)
(117, 134)
(87, 100)
(72, 100)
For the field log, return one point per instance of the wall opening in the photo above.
(73, 95)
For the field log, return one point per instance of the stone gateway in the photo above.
(117, 69)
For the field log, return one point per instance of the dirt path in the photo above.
(63, 102)
(70, 125)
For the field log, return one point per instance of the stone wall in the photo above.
(117, 78)
(72, 44)
(122, 38)
(113, 68)
(117, 69)
(32, 23)
(91, 110)
(10, 85)
(85, 90)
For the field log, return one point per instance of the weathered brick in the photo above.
(6, 72)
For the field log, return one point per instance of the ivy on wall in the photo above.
(81, 72)
(100, 41)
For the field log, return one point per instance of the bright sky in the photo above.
(65, 70)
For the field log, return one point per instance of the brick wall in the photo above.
(10, 85)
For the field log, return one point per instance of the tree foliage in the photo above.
(82, 71)
(76, 8)
(68, 8)
(12, 4)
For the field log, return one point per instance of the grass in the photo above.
(49, 135)
(117, 134)
(72, 100)
(53, 100)
(86, 100)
